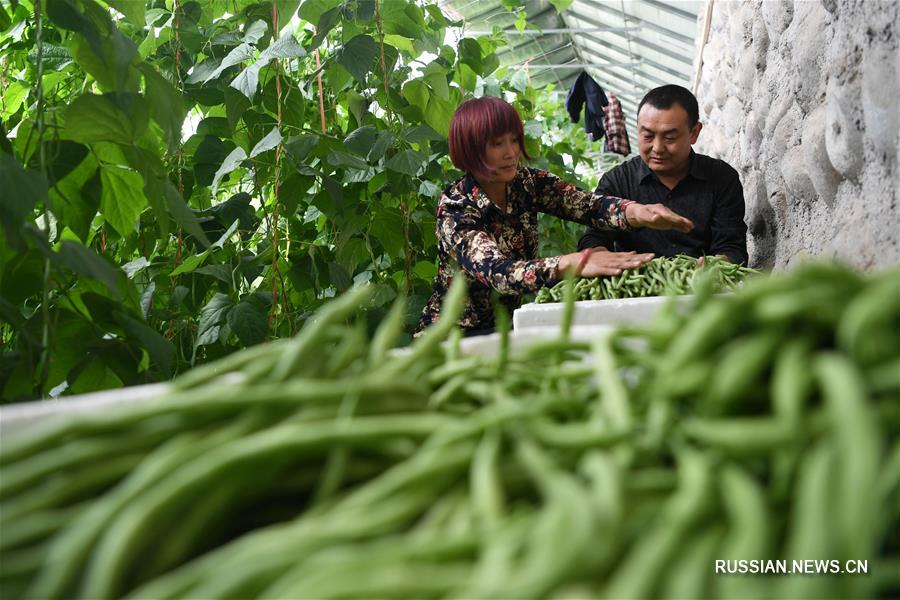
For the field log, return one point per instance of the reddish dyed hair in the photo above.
(474, 124)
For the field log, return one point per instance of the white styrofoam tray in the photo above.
(489, 345)
(17, 417)
(594, 312)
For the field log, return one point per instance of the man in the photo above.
(704, 189)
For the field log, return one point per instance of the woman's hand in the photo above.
(597, 262)
(656, 216)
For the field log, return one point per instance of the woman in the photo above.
(487, 220)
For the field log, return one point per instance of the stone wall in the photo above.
(802, 97)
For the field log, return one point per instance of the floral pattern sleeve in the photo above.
(560, 198)
(463, 236)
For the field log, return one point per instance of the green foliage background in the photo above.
(169, 194)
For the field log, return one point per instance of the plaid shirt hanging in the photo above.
(614, 123)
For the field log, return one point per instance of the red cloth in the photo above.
(614, 122)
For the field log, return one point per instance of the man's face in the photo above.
(665, 138)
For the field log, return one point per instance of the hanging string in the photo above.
(276, 277)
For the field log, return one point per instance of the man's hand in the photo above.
(600, 261)
(656, 216)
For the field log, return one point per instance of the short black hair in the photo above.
(665, 96)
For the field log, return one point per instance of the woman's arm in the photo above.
(563, 199)
(461, 236)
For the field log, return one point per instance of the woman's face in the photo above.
(502, 157)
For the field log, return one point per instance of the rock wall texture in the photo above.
(802, 97)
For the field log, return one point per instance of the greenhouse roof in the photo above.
(627, 46)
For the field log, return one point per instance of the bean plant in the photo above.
(181, 179)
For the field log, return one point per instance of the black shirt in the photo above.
(710, 195)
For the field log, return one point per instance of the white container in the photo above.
(592, 313)
(15, 418)
(489, 345)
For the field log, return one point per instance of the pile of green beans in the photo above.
(662, 276)
(758, 425)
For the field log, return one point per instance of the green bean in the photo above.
(388, 331)
(743, 362)
(66, 459)
(860, 445)
(810, 533)
(791, 382)
(487, 490)
(614, 394)
(36, 526)
(689, 575)
(740, 436)
(873, 311)
(749, 530)
(564, 530)
(306, 343)
(638, 574)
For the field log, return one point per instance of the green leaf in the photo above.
(403, 18)
(134, 10)
(421, 133)
(70, 202)
(521, 20)
(286, 10)
(220, 272)
(470, 53)
(191, 263)
(248, 319)
(416, 93)
(381, 145)
(94, 377)
(342, 159)
(387, 229)
(237, 55)
(360, 141)
(248, 80)
(166, 105)
(299, 146)
(255, 31)
(65, 15)
(122, 198)
(440, 112)
(182, 213)
(425, 270)
(312, 10)
(339, 276)
(20, 192)
(357, 56)
(5, 19)
(102, 51)
(561, 5)
(235, 105)
(211, 317)
(436, 77)
(13, 98)
(284, 47)
(120, 118)
(85, 261)
(407, 162)
(61, 157)
(353, 252)
(401, 43)
(329, 19)
(161, 351)
(231, 162)
(270, 142)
